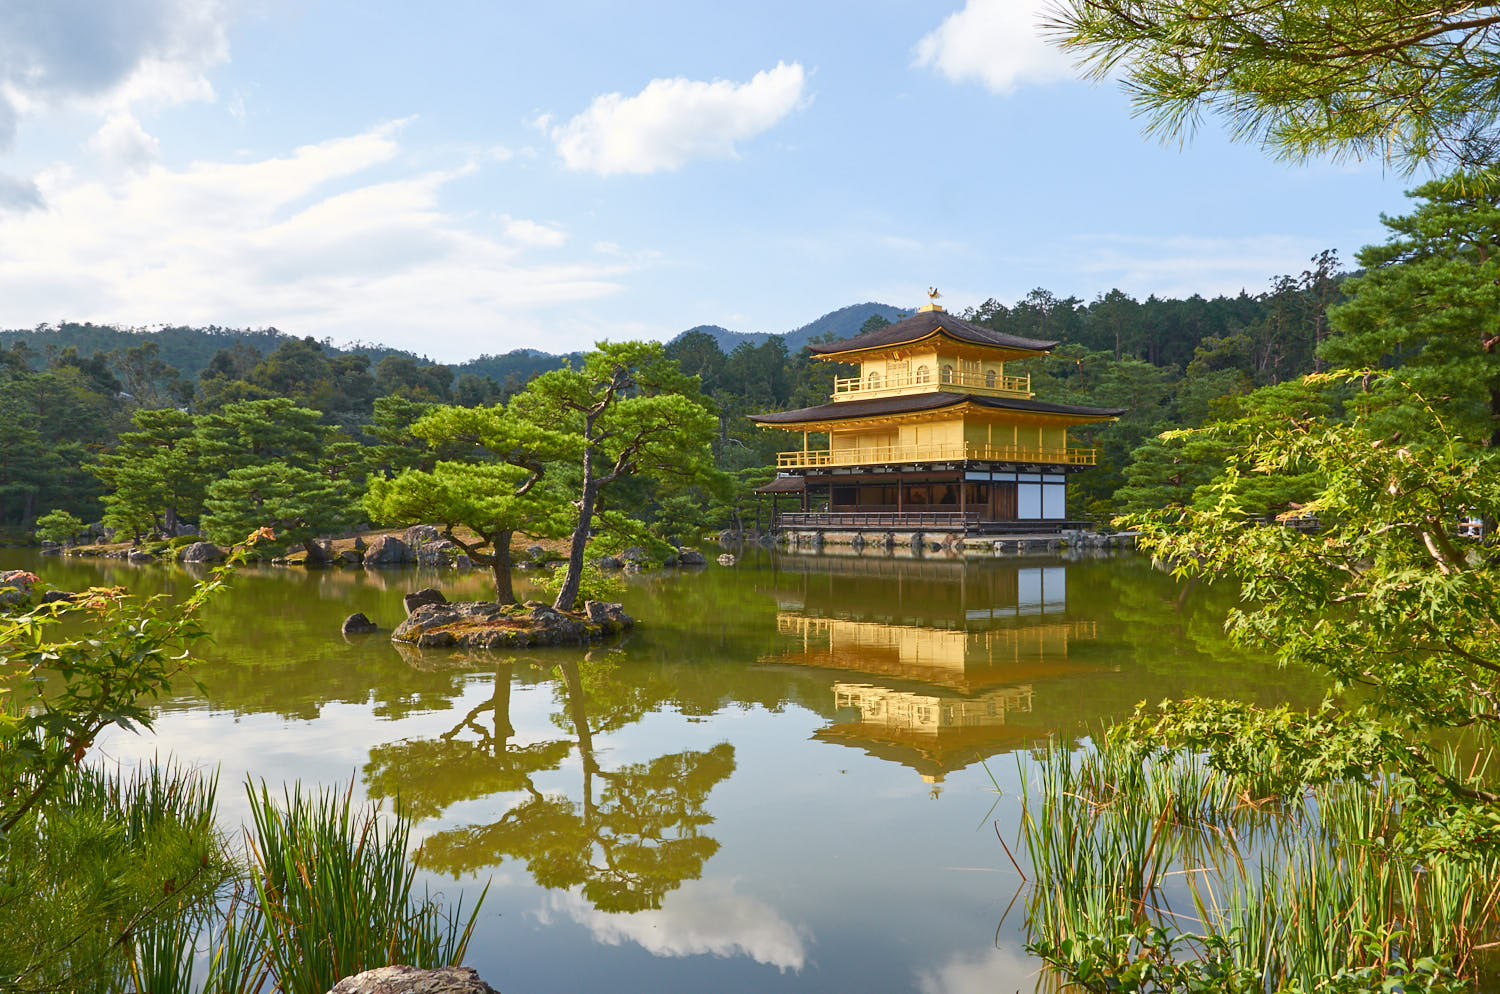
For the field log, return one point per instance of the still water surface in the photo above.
(785, 779)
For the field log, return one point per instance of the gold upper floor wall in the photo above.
(891, 375)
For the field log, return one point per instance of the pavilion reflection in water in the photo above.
(948, 656)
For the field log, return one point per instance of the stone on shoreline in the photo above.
(387, 550)
(488, 625)
(200, 552)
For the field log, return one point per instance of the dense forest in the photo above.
(79, 394)
(95, 413)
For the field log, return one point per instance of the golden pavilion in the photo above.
(934, 433)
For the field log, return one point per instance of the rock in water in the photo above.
(140, 556)
(604, 611)
(727, 559)
(200, 552)
(15, 587)
(358, 624)
(608, 562)
(410, 980)
(487, 625)
(387, 550)
(420, 598)
(691, 557)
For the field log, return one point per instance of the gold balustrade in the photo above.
(848, 387)
(881, 455)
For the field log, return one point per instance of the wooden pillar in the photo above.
(963, 486)
(804, 495)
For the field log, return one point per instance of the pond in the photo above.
(789, 777)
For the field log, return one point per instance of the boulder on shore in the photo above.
(140, 556)
(410, 980)
(387, 550)
(609, 562)
(417, 534)
(358, 624)
(423, 597)
(487, 625)
(436, 552)
(200, 552)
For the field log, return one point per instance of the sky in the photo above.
(458, 178)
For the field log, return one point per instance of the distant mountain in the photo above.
(842, 323)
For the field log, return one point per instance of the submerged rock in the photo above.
(358, 624)
(488, 625)
(410, 980)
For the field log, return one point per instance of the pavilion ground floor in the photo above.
(966, 498)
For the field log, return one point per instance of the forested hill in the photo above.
(191, 350)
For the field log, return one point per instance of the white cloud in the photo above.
(995, 42)
(302, 241)
(122, 144)
(993, 970)
(701, 917)
(673, 121)
(534, 233)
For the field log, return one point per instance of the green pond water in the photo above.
(784, 779)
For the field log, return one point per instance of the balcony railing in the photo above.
(847, 388)
(881, 455)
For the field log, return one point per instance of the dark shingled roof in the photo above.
(912, 403)
(924, 323)
(783, 485)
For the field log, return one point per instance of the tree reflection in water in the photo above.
(632, 836)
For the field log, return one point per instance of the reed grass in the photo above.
(1137, 854)
(333, 895)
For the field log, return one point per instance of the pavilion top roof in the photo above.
(928, 321)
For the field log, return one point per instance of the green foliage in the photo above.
(628, 411)
(59, 526)
(105, 877)
(1402, 83)
(1428, 302)
(1158, 870)
(494, 487)
(594, 584)
(296, 504)
(334, 893)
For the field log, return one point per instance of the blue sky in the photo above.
(457, 178)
